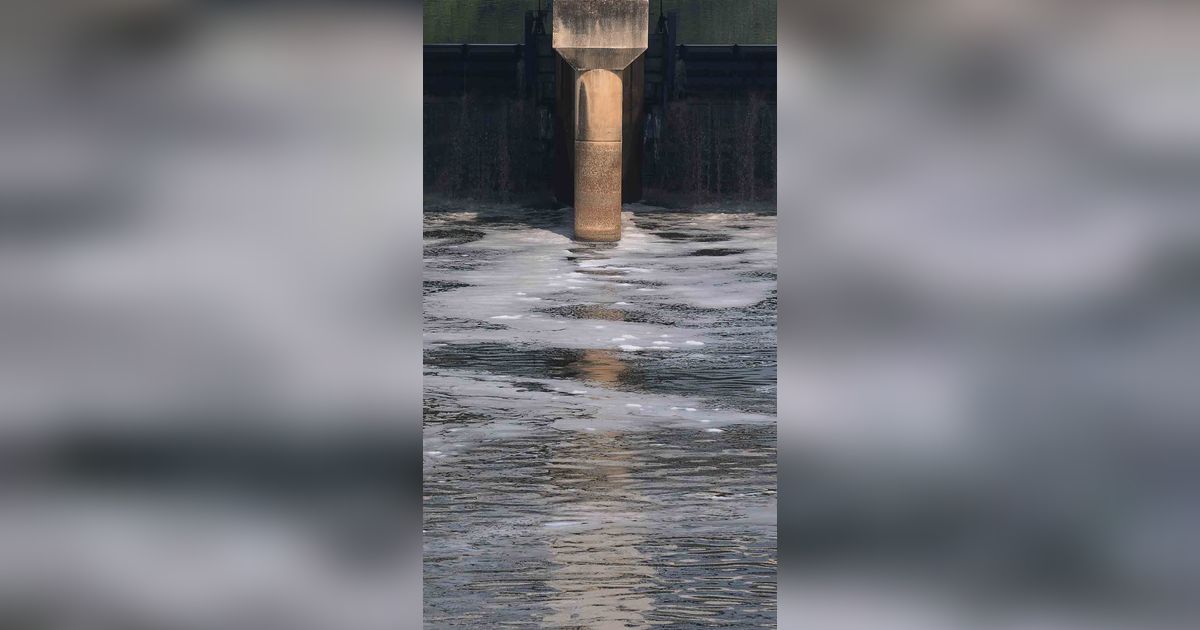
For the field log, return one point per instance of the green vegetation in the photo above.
(700, 21)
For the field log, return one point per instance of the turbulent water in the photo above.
(599, 421)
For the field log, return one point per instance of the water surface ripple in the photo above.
(599, 421)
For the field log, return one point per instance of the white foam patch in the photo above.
(519, 265)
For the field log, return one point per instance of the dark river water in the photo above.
(599, 421)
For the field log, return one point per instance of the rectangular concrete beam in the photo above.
(600, 34)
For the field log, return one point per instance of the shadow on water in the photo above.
(546, 215)
(733, 379)
(552, 219)
(590, 311)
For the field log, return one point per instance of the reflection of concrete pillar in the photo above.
(598, 155)
(599, 38)
(602, 366)
(602, 578)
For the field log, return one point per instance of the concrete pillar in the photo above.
(599, 38)
(598, 155)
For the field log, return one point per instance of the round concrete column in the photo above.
(598, 112)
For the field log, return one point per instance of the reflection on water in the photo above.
(601, 366)
(599, 427)
(601, 578)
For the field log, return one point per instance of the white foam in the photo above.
(506, 316)
(713, 431)
(633, 405)
(694, 343)
(630, 348)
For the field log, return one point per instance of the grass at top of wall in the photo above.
(700, 21)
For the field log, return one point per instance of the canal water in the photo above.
(599, 426)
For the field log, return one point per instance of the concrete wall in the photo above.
(703, 149)
(485, 148)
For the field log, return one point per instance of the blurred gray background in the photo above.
(209, 298)
(988, 331)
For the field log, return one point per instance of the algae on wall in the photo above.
(700, 21)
